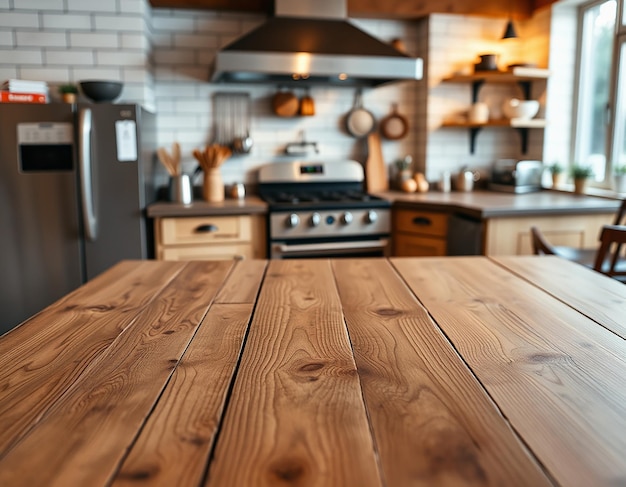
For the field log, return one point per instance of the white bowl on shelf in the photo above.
(522, 109)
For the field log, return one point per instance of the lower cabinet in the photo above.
(419, 233)
(511, 236)
(428, 233)
(210, 237)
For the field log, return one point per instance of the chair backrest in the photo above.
(609, 255)
(539, 243)
(621, 213)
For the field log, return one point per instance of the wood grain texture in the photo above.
(296, 416)
(85, 434)
(42, 358)
(242, 286)
(603, 299)
(555, 374)
(174, 446)
(432, 421)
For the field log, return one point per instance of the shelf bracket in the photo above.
(525, 86)
(476, 88)
(473, 133)
(523, 132)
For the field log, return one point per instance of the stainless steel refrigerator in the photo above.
(74, 184)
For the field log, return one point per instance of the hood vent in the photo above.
(312, 43)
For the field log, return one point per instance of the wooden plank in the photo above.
(433, 422)
(296, 415)
(43, 357)
(100, 415)
(555, 374)
(603, 300)
(174, 446)
(243, 284)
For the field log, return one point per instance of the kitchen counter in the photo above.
(250, 205)
(491, 204)
(369, 372)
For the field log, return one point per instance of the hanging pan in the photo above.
(359, 121)
(394, 126)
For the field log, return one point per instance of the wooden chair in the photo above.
(541, 246)
(586, 257)
(610, 259)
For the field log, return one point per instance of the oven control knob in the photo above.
(292, 221)
(371, 216)
(315, 220)
(346, 218)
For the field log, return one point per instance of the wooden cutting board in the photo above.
(375, 170)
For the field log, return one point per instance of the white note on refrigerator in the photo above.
(126, 140)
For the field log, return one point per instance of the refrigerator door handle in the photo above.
(84, 161)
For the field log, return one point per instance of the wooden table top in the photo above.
(357, 372)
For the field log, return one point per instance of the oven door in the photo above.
(377, 247)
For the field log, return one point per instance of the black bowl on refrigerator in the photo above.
(101, 91)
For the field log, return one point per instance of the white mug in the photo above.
(479, 113)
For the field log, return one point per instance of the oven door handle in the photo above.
(285, 249)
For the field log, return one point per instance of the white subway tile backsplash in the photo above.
(218, 25)
(120, 58)
(172, 24)
(20, 56)
(45, 5)
(66, 21)
(92, 5)
(6, 38)
(68, 57)
(19, 20)
(92, 39)
(84, 73)
(48, 39)
(134, 7)
(119, 23)
(134, 42)
(43, 73)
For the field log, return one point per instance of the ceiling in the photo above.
(388, 9)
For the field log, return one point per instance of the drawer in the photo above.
(421, 222)
(406, 245)
(208, 252)
(198, 230)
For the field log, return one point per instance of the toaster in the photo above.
(516, 176)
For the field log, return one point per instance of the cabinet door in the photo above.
(418, 246)
(511, 236)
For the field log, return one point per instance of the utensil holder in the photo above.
(213, 186)
(180, 190)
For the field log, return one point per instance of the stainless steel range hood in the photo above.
(312, 42)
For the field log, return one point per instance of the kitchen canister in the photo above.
(180, 190)
(478, 113)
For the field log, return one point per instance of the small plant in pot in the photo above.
(556, 170)
(619, 178)
(580, 174)
(68, 92)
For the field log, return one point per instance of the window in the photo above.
(593, 128)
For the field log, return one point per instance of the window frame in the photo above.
(609, 148)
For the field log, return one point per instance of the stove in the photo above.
(321, 210)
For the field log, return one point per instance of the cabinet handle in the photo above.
(208, 228)
(422, 221)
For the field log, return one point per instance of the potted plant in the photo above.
(68, 92)
(403, 169)
(580, 173)
(619, 178)
(556, 170)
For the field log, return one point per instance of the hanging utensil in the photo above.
(394, 126)
(359, 121)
